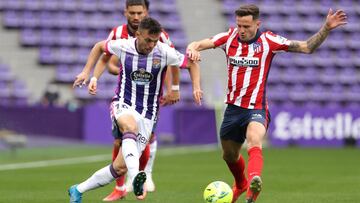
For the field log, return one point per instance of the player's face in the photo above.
(134, 14)
(146, 42)
(247, 27)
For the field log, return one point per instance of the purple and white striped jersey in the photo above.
(141, 79)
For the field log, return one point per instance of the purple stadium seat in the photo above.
(292, 23)
(69, 5)
(30, 19)
(61, 20)
(5, 91)
(336, 93)
(84, 38)
(344, 58)
(19, 89)
(318, 92)
(32, 5)
(46, 19)
(12, 19)
(5, 74)
(279, 92)
(30, 37)
(299, 93)
(352, 93)
(310, 75)
(47, 55)
(336, 40)
(291, 75)
(88, 5)
(65, 37)
(349, 75)
(13, 5)
(329, 75)
(47, 37)
(50, 5)
(323, 58)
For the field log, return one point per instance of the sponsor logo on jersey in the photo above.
(244, 61)
(141, 77)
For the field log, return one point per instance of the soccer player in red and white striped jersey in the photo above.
(249, 54)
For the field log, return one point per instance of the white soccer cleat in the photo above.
(150, 186)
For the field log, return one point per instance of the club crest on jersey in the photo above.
(141, 77)
(244, 61)
(257, 47)
(156, 63)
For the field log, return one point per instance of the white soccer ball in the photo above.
(218, 192)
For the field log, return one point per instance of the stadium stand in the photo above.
(64, 31)
(331, 75)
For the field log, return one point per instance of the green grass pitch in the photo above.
(290, 175)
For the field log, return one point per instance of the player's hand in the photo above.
(81, 79)
(171, 98)
(333, 20)
(92, 86)
(193, 55)
(198, 95)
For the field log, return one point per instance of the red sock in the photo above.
(237, 170)
(145, 156)
(255, 163)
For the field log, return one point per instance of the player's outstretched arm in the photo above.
(194, 48)
(333, 20)
(113, 67)
(194, 70)
(171, 81)
(95, 53)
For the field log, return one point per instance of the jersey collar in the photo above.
(258, 33)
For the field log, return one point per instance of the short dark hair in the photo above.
(248, 10)
(137, 3)
(150, 24)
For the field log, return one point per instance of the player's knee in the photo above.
(119, 169)
(117, 143)
(230, 156)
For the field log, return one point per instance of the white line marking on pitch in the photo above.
(102, 157)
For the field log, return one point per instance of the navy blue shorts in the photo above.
(236, 120)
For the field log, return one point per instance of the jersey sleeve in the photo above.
(175, 58)
(112, 34)
(277, 43)
(221, 38)
(165, 38)
(114, 47)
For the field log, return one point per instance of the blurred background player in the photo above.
(134, 109)
(135, 11)
(249, 54)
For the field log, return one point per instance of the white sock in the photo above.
(131, 156)
(150, 163)
(98, 179)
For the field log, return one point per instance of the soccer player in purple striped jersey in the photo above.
(134, 107)
(135, 11)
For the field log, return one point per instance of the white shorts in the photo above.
(144, 125)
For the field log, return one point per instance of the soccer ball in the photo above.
(218, 192)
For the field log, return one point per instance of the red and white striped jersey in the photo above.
(248, 66)
(121, 32)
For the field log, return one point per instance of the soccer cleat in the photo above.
(128, 184)
(150, 186)
(75, 195)
(237, 192)
(115, 195)
(255, 188)
(138, 185)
